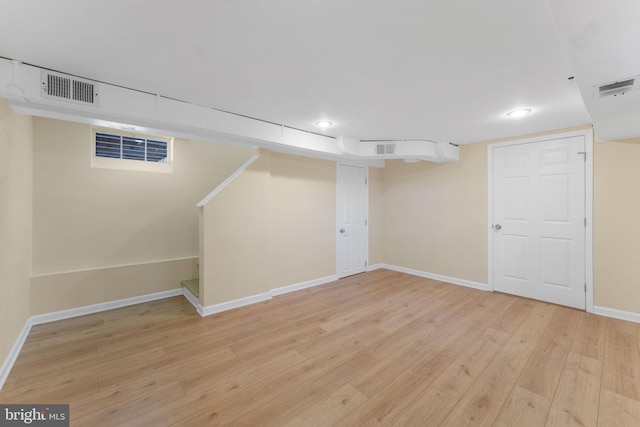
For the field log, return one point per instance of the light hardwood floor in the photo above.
(377, 348)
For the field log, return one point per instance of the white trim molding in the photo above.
(303, 285)
(434, 276)
(193, 300)
(236, 303)
(228, 181)
(617, 314)
(109, 267)
(375, 267)
(11, 358)
(252, 299)
(104, 306)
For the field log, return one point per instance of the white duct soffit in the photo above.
(34, 91)
(410, 150)
(601, 42)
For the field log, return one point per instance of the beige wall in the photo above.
(434, 215)
(376, 208)
(237, 238)
(88, 218)
(617, 225)
(273, 226)
(16, 189)
(303, 219)
(54, 292)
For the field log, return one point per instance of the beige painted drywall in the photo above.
(303, 219)
(273, 226)
(376, 207)
(16, 189)
(90, 218)
(616, 231)
(106, 234)
(54, 292)
(434, 215)
(236, 238)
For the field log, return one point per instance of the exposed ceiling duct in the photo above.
(415, 150)
(40, 92)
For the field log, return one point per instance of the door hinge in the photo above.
(365, 181)
(365, 263)
(585, 155)
(585, 287)
(585, 222)
(366, 222)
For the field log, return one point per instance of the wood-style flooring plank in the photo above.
(542, 373)
(618, 411)
(378, 348)
(430, 408)
(329, 411)
(576, 400)
(523, 408)
(483, 401)
(621, 368)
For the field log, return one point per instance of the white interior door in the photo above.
(351, 230)
(539, 220)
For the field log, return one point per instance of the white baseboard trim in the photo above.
(236, 303)
(375, 267)
(96, 308)
(439, 277)
(303, 285)
(10, 360)
(241, 302)
(617, 314)
(193, 300)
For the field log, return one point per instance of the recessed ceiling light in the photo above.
(519, 113)
(323, 124)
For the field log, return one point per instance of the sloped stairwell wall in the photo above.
(271, 227)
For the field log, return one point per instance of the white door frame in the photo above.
(588, 142)
(366, 214)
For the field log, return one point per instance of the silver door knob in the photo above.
(342, 230)
(497, 227)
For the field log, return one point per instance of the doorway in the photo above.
(352, 224)
(540, 219)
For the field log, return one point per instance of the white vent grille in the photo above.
(618, 88)
(385, 149)
(70, 89)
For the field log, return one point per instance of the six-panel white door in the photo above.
(351, 233)
(539, 220)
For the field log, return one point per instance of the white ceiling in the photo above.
(406, 69)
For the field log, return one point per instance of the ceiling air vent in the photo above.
(615, 88)
(383, 149)
(69, 89)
